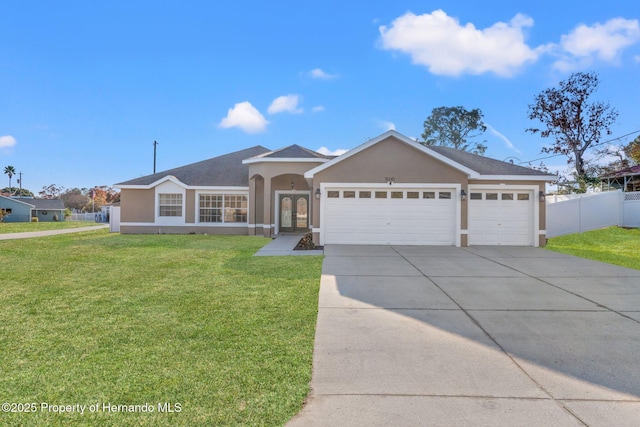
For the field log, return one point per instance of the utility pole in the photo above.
(155, 144)
(20, 182)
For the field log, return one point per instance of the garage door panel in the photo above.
(502, 221)
(389, 220)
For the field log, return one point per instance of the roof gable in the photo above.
(384, 136)
(473, 165)
(227, 170)
(292, 153)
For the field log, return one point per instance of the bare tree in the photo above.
(574, 123)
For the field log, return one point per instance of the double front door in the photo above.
(294, 212)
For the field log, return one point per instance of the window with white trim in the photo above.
(169, 204)
(222, 208)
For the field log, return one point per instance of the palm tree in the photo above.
(11, 171)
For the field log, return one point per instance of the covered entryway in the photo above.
(389, 215)
(501, 217)
(294, 212)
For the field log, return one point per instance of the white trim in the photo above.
(166, 188)
(201, 225)
(266, 226)
(396, 185)
(284, 160)
(504, 187)
(517, 178)
(219, 193)
(276, 210)
(217, 188)
(392, 133)
(180, 183)
(457, 187)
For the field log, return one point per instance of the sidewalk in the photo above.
(31, 234)
(284, 246)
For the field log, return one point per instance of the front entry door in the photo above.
(294, 212)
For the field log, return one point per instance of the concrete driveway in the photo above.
(482, 336)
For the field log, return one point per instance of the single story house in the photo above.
(22, 209)
(389, 190)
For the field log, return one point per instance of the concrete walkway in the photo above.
(284, 245)
(490, 336)
(31, 234)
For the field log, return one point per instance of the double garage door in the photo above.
(425, 216)
(384, 216)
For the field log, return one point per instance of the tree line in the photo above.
(75, 199)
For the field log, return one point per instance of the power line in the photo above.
(594, 145)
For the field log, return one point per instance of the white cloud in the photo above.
(502, 137)
(245, 116)
(318, 73)
(327, 152)
(603, 42)
(318, 108)
(7, 141)
(445, 47)
(286, 103)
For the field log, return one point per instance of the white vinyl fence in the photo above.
(584, 212)
(96, 216)
(114, 220)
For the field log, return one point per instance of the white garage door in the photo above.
(389, 216)
(501, 217)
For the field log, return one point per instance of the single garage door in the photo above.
(501, 217)
(383, 216)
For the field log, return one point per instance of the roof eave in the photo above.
(284, 160)
(547, 178)
(153, 184)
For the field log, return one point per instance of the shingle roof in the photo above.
(632, 170)
(484, 165)
(42, 204)
(292, 152)
(225, 170)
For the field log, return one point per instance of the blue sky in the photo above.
(86, 87)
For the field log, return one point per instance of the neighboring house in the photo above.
(23, 209)
(627, 179)
(389, 190)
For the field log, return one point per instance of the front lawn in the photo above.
(21, 227)
(614, 245)
(194, 324)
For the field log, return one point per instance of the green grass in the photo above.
(132, 320)
(613, 245)
(21, 227)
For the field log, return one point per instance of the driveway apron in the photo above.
(483, 336)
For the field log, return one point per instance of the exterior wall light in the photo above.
(463, 195)
(292, 185)
(318, 193)
(541, 196)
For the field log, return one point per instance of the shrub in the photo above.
(34, 219)
(55, 218)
